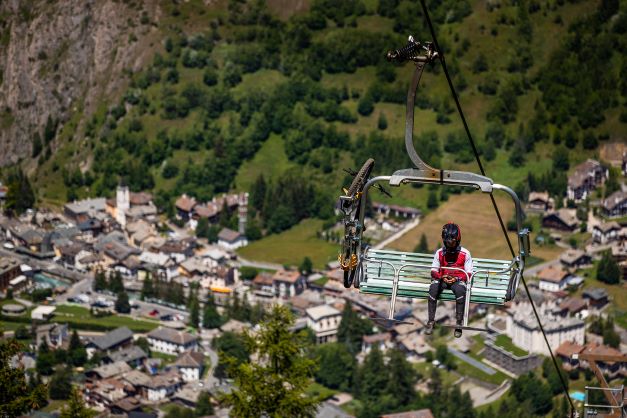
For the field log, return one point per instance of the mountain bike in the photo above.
(350, 205)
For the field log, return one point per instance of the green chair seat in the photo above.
(379, 268)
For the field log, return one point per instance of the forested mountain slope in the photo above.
(203, 97)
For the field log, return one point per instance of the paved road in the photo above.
(259, 264)
(471, 361)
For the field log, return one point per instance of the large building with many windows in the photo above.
(170, 341)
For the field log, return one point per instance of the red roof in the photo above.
(286, 276)
(185, 203)
(568, 348)
(553, 274)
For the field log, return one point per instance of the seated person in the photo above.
(451, 255)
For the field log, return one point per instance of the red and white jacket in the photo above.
(461, 260)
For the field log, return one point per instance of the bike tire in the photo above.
(360, 179)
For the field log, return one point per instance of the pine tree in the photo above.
(203, 405)
(76, 352)
(147, 287)
(423, 245)
(16, 398)
(258, 193)
(115, 282)
(60, 386)
(75, 408)
(194, 312)
(402, 379)
(100, 281)
(211, 318)
(20, 195)
(373, 376)
(352, 329)
(122, 304)
(275, 386)
(382, 124)
(306, 266)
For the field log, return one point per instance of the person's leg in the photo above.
(459, 290)
(434, 292)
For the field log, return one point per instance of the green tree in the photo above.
(76, 351)
(194, 311)
(382, 123)
(432, 200)
(37, 146)
(122, 304)
(45, 360)
(75, 407)
(365, 105)
(147, 287)
(423, 245)
(610, 336)
(20, 195)
(230, 347)
(203, 405)
(202, 228)
(352, 329)
(60, 386)
(402, 378)
(143, 343)
(258, 193)
(373, 376)
(608, 270)
(306, 267)
(336, 366)
(16, 398)
(100, 281)
(274, 386)
(115, 282)
(560, 159)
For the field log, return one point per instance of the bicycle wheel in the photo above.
(360, 179)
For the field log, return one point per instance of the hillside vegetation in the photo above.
(238, 98)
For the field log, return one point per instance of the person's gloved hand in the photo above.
(448, 279)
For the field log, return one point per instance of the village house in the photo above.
(324, 320)
(55, 335)
(190, 365)
(106, 392)
(179, 250)
(160, 265)
(539, 202)
(81, 210)
(573, 306)
(133, 355)
(9, 270)
(553, 279)
(169, 341)
(263, 288)
(112, 341)
(395, 210)
(383, 341)
(569, 351)
(527, 335)
(184, 207)
(163, 385)
(231, 240)
(575, 259)
(563, 219)
(288, 283)
(419, 413)
(596, 297)
(107, 371)
(586, 177)
(615, 205)
(414, 345)
(515, 363)
(139, 380)
(606, 232)
(126, 406)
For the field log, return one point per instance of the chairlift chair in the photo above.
(406, 274)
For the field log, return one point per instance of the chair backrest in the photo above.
(488, 286)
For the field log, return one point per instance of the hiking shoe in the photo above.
(429, 328)
(458, 332)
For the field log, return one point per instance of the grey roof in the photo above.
(137, 378)
(614, 199)
(595, 293)
(113, 236)
(318, 312)
(190, 359)
(328, 410)
(228, 235)
(173, 336)
(84, 206)
(113, 338)
(113, 369)
(132, 353)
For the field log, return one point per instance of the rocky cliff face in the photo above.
(60, 57)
